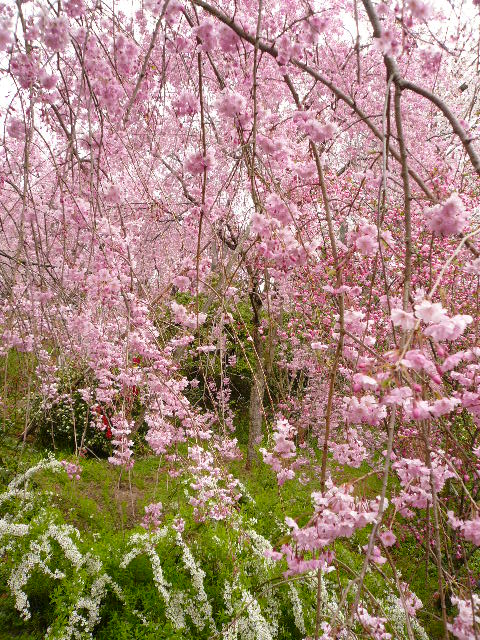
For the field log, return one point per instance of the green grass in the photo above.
(107, 505)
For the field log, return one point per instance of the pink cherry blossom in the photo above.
(73, 470)
(388, 538)
(55, 33)
(197, 163)
(419, 9)
(74, 8)
(185, 104)
(463, 624)
(208, 212)
(153, 515)
(403, 319)
(449, 218)
(231, 104)
(430, 312)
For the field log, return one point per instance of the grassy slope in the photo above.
(103, 505)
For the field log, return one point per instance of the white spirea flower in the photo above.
(297, 608)
(19, 485)
(197, 579)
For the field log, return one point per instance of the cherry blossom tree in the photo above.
(167, 164)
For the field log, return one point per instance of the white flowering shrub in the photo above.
(37, 545)
(167, 578)
(193, 579)
(61, 417)
(163, 582)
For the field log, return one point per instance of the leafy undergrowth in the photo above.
(106, 508)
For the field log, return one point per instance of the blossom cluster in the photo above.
(283, 451)
(73, 470)
(449, 218)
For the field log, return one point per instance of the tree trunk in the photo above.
(258, 386)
